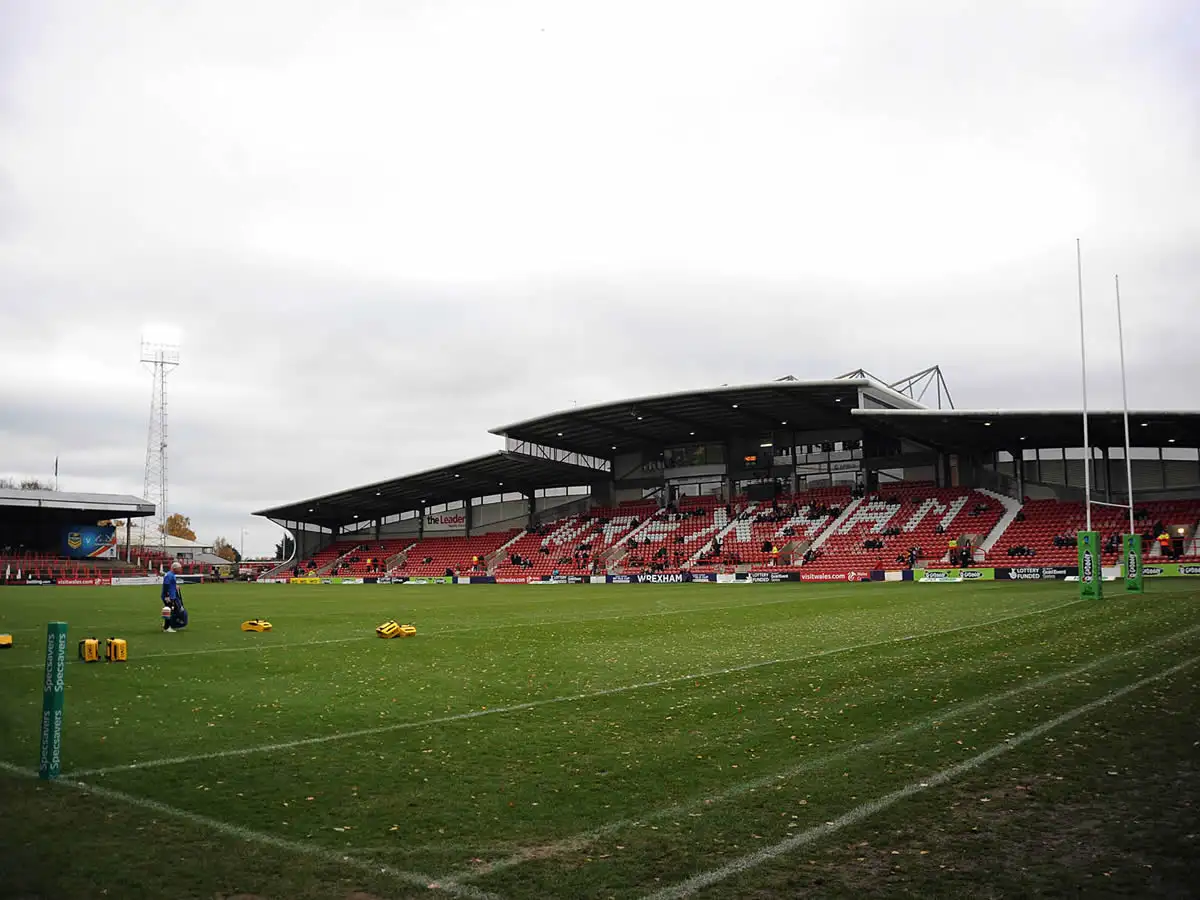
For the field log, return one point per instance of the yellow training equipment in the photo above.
(259, 625)
(394, 629)
(116, 650)
(89, 650)
(5, 641)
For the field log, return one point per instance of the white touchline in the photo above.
(250, 648)
(533, 704)
(866, 810)
(248, 835)
(584, 839)
(259, 646)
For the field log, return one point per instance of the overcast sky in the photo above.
(385, 227)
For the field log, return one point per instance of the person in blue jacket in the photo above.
(175, 615)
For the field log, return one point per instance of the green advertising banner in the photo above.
(1170, 570)
(52, 700)
(1131, 549)
(954, 574)
(1090, 575)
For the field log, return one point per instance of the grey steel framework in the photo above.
(922, 381)
(162, 359)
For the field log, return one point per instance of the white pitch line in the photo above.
(533, 704)
(414, 879)
(261, 646)
(250, 648)
(584, 839)
(866, 810)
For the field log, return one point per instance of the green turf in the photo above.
(659, 732)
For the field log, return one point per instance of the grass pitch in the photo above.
(590, 742)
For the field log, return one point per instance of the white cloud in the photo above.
(385, 228)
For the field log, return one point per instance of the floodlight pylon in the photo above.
(162, 359)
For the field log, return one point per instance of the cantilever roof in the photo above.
(495, 473)
(704, 415)
(982, 430)
(104, 505)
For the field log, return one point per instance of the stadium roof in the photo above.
(105, 506)
(706, 415)
(495, 473)
(971, 430)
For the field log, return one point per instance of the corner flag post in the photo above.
(52, 700)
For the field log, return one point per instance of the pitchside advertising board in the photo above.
(949, 576)
(1170, 570)
(955, 575)
(1036, 573)
(90, 542)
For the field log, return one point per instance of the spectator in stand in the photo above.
(1164, 544)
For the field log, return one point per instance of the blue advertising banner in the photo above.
(90, 542)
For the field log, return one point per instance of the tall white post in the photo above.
(1124, 402)
(1087, 443)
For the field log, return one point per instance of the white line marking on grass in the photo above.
(584, 839)
(249, 648)
(533, 704)
(259, 645)
(250, 836)
(866, 810)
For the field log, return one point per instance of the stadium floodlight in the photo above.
(159, 351)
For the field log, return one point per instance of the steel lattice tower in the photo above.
(162, 359)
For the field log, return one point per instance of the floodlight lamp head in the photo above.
(160, 344)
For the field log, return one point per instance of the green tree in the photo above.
(285, 548)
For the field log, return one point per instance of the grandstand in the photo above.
(53, 536)
(56, 537)
(829, 479)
